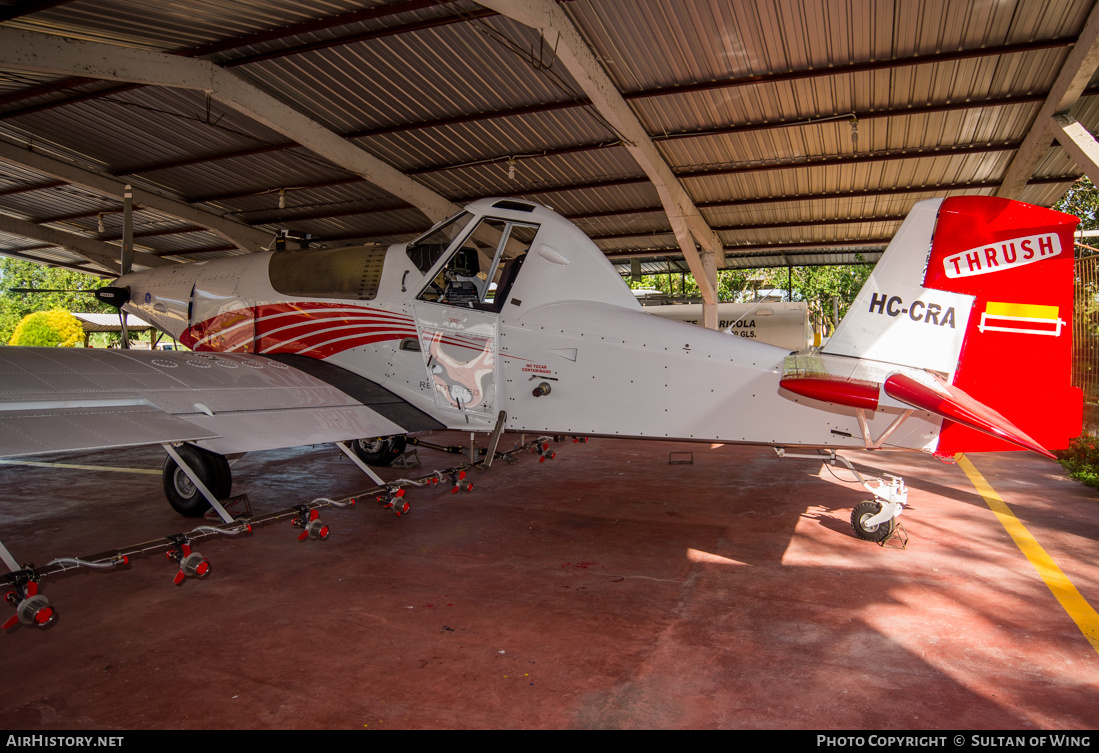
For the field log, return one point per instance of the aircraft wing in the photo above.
(57, 399)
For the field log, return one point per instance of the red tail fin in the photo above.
(1017, 260)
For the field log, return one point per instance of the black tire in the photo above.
(865, 511)
(213, 471)
(380, 451)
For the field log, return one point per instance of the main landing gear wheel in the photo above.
(380, 451)
(211, 468)
(865, 511)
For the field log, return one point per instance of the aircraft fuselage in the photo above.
(560, 344)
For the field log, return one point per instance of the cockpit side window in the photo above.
(476, 275)
(426, 250)
(509, 259)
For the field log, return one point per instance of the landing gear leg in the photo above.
(356, 457)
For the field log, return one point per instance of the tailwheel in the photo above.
(212, 470)
(863, 512)
(380, 451)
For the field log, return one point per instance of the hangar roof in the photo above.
(793, 129)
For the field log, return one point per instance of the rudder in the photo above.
(1017, 261)
(978, 290)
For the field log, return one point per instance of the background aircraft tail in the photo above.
(979, 290)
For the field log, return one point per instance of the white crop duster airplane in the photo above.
(959, 341)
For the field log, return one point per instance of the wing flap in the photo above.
(266, 430)
(41, 430)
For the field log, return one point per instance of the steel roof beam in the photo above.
(43, 53)
(821, 162)
(925, 109)
(75, 266)
(1079, 67)
(869, 245)
(769, 225)
(672, 136)
(309, 27)
(32, 187)
(94, 251)
(866, 157)
(549, 19)
(825, 257)
(594, 146)
(241, 235)
(27, 7)
(734, 82)
(702, 205)
(261, 37)
(936, 188)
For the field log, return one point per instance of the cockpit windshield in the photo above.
(426, 250)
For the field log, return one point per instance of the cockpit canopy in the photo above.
(470, 264)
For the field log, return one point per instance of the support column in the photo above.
(1079, 66)
(1080, 145)
(709, 306)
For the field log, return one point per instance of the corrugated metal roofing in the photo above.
(801, 129)
(96, 322)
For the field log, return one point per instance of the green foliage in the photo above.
(15, 273)
(48, 329)
(1081, 460)
(1082, 200)
(815, 285)
(730, 284)
(818, 285)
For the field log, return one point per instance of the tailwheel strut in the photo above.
(876, 519)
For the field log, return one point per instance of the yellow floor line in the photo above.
(1073, 602)
(82, 467)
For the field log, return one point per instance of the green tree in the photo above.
(48, 329)
(815, 285)
(818, 285)
(1082, 200)
(15, 273)
(730, 284)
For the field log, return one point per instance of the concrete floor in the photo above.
(603, 589)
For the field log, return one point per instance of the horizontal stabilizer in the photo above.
(952, 403)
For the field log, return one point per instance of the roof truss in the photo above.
(665, 127)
